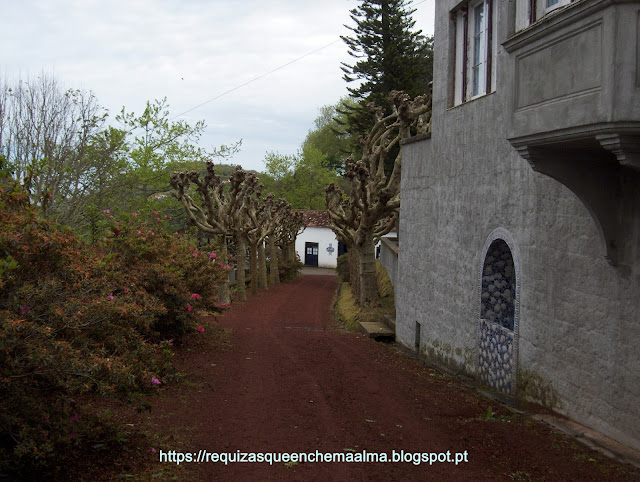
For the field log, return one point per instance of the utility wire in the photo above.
(265, 74)
(257, 78)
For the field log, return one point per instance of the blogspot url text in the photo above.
(415, 458)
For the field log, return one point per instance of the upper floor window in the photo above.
(530, 11)
(474, 72)
(553, 4)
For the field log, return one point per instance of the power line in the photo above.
(265, 74)
(257, 78)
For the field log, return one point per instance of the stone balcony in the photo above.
(574, 104)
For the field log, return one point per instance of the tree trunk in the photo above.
(285, 252)
(223, 289)
(368, 279)
(253, 267)
(273, 261)
(354, 273)
(241, 259)
(292, 251)
(262, 267)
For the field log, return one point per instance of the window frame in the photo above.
(464, 38)
(549, 8)
(479, 47)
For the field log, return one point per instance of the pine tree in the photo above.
(389, 55)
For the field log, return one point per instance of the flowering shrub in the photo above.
(77, 319)
(166, 266)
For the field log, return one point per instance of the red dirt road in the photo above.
(292, 382)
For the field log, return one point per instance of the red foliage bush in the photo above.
(78, 319)
(167, 266)
(289, 269)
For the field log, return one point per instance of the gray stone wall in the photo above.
(389, 258)
(579, 317)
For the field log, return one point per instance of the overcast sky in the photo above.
(190, 51)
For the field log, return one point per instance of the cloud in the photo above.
(131, 51)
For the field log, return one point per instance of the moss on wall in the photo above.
(452, 358)
(535, 388)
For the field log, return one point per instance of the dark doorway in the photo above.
(342, 248)
(497, 319)
(311, 254)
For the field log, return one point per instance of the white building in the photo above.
(317, 245)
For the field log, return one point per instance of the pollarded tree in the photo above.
(255, 226)
(280, 210)
(371, 209)
(291, 224)
(217, 212)
(263, 223)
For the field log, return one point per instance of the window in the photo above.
(479, 47)
(529, 12)
(553, 4)
(475, 49)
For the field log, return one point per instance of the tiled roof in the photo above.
(315, 219)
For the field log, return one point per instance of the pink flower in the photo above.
(195, 255)
(200, 329)
(189, 308)
(139, 232)
(74, 417)
(155, 213)
(106, 211)
(212, 255)
(152, 450)
(24, 310)
(227, 267)
(176, 233)
(135, 215)
(73, 433)
(157, 219)
(221, 265)
(110, 297)
(195, 296)
(110, 216)
(155, 381)
(152, 233)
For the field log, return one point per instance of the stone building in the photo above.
(519, 243)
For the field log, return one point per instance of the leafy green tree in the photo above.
(159, 146)
(299, 179)
(330, 137)
(388, 55)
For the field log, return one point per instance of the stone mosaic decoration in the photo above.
(496, 356)
(499, 288)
